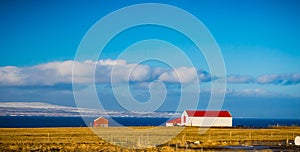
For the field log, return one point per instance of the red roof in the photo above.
(176, 120)
(202, 113)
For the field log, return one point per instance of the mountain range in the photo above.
(45, 109)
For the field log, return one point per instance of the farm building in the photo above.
(174, 122)
(206, 118)
(100, 122)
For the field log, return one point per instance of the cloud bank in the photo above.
(119, 71)
(279, 79)
(274, 79)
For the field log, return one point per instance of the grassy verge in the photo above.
(141, 138)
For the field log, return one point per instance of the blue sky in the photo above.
(259, 41)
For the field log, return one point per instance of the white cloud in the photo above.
(121, 71)
(279, 79)
(49, 73)
(254, 92)
(112, 62)
(180, 75)
(140, 73)
(239, 79)
(10, 75)
(61, 72)
(275, 79)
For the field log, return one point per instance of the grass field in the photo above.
(143, 138)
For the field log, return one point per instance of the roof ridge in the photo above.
(208, 113)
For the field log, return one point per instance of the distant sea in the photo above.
(39, 121)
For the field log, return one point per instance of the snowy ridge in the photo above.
(45, 109)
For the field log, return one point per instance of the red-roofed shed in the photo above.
(100, 122)
(173, 122)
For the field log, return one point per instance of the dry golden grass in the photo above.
(161, 139)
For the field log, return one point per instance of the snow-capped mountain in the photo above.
(41, 109)
(45, 109)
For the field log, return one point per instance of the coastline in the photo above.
(58, 121)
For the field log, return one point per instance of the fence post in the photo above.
(148, 141)
(293, 134)
(230, 138)
(250, 140)
(271, 134)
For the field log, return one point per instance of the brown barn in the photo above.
(100, 122)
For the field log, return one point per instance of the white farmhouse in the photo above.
(206, 118)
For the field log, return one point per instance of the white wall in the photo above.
(169, 124)
(182, 116)
(210, 121)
